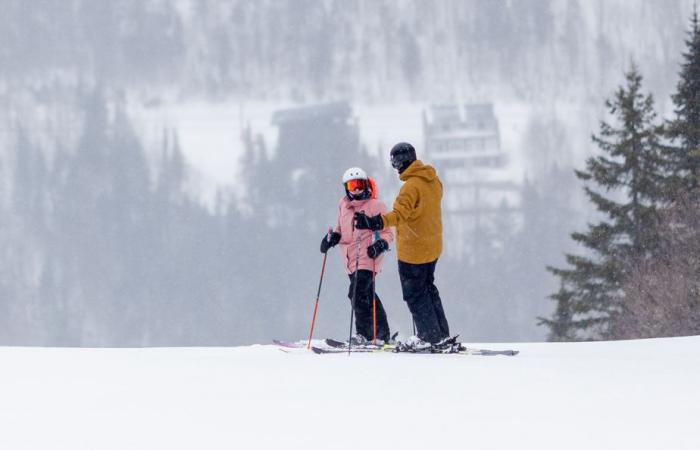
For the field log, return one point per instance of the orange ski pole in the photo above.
(318, 294)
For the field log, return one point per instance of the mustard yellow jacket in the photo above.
(417, 215)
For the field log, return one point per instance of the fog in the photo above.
(168, 168)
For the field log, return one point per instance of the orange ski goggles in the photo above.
(354, 185)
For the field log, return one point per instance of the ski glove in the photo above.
(376, 249)
(364, 222)
(329, 241)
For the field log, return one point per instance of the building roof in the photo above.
(309, 113)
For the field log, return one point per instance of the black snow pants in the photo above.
(363, 307)
(423, 299)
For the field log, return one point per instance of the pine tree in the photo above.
(684, 130)
(628, 175)
(561, 327)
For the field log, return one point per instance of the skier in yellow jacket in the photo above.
(417, 216)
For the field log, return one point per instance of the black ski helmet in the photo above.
(402, 155)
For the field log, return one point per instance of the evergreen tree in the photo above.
(684, 130)
(561, 327)
(628, 173)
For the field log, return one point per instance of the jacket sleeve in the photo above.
(386, 233)
(406, 206)
(337, 219)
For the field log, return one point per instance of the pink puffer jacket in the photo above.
(349, 235)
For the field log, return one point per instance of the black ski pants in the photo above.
(363, 307)
(423, 300)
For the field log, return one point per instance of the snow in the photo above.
(209, 135)
(603, 395)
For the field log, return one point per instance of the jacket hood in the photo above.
(420, 170)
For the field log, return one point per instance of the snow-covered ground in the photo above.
(604, 395)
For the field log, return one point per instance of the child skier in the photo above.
(361, 252)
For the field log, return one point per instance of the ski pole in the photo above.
(318, 293)
(374, 312)
(354, 293)
(374, 294)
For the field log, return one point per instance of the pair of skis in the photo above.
(449, 346)
(452, 347)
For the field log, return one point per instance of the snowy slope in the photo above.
(636, 394)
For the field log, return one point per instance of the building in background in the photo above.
(315, 145)
(482, 192)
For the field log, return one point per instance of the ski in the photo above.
(448, 346)
(321, 351)
(340, 344)
(485, 352)
(369, 344)
(388, 349)
(335, 344)
(453, 347)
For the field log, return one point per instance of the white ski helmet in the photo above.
(354, 173)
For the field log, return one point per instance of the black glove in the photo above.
(364, 222)
(376, 249)
(329, 242)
